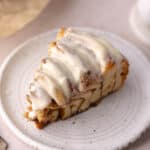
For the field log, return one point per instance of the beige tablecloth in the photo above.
(110, 15)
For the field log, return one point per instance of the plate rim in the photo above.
(29, 141)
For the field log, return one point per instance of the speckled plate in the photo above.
(118, 120)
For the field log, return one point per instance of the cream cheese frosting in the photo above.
(75, 54)
(40, 98)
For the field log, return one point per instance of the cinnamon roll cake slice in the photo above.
(80, 69)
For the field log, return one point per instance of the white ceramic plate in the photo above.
(118, 120)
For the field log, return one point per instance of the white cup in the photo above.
(144, 10)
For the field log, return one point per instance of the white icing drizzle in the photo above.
(51, 67)
(71, 60)
(115, 55)
(83, 53)
(39, 97)
(76, 53)
(102, 49)
(51, 86)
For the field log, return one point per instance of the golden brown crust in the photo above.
(60, 33)
(51, 45)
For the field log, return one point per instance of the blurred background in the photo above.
(23, 19)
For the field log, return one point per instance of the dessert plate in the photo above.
(118, 120)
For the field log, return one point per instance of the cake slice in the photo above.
(80, 69)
